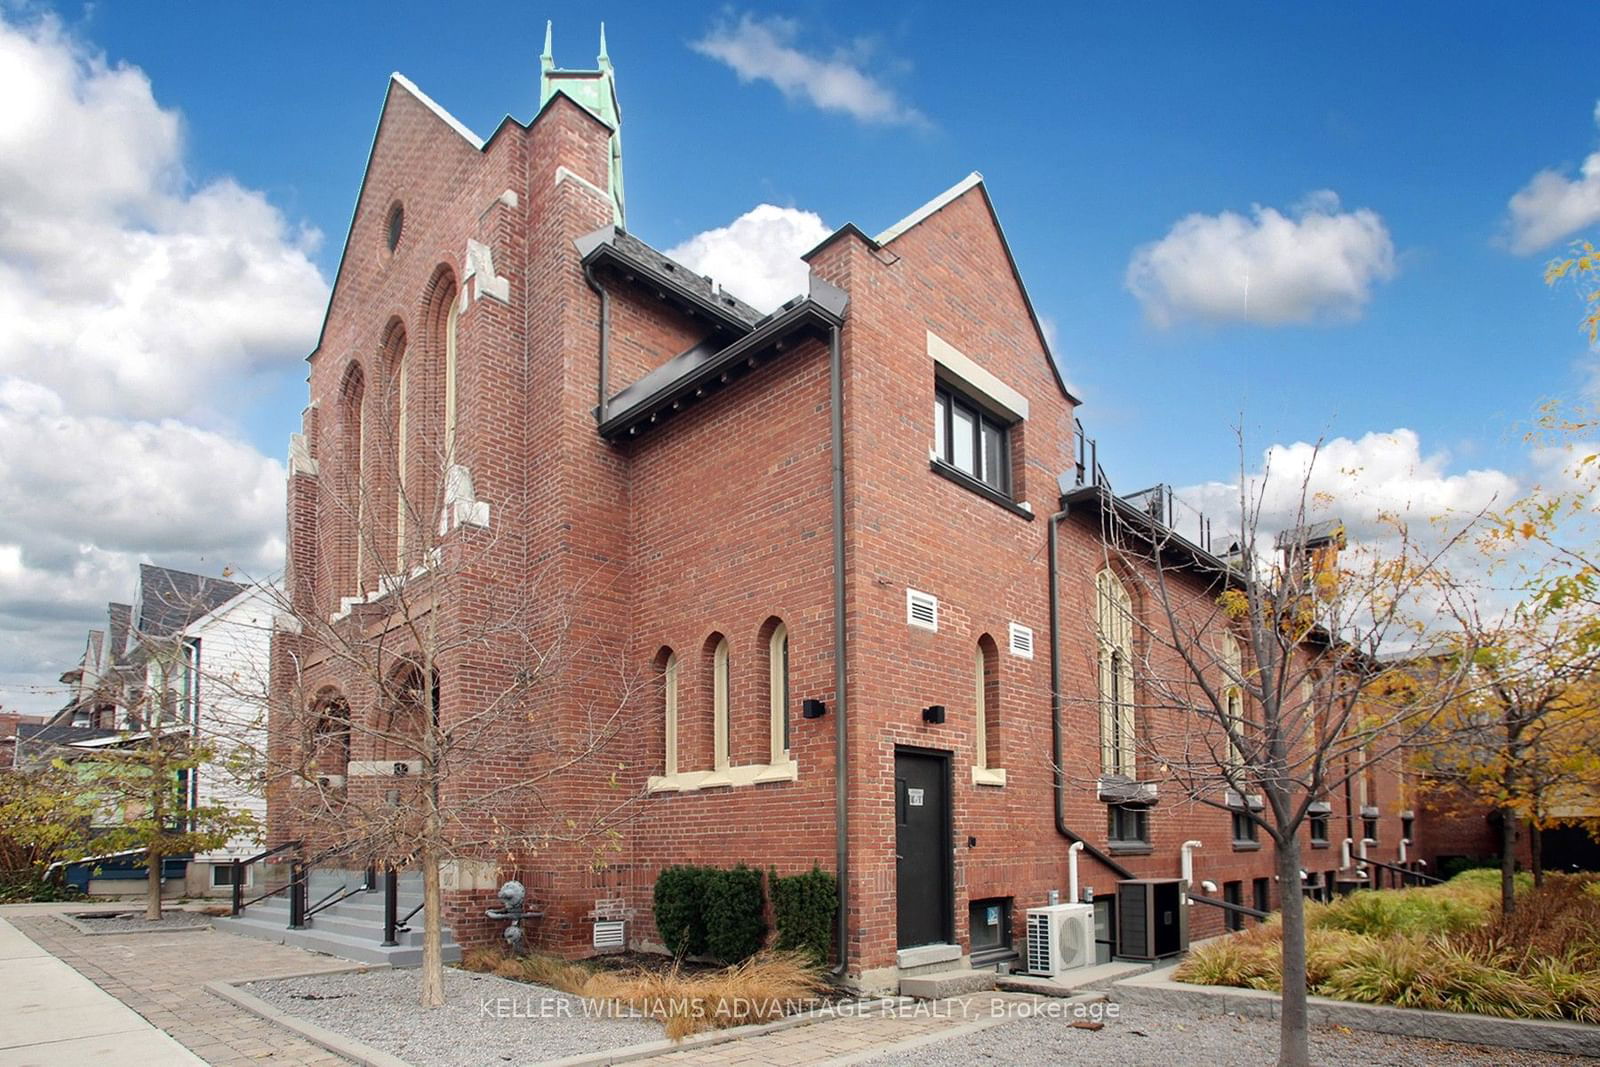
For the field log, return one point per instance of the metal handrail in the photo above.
(1241, 909)
(404, 924)
(1405, 872)
(341, 893)
(238, 903)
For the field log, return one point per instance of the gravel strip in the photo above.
(1162, 1036)
(134, 922)
(485, 1019)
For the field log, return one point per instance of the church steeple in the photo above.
(595, 91)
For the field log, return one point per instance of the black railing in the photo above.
(1404, 872)
(1228, 905)
(391, 904)
(241, 866)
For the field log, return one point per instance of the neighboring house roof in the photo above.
(171, 599)
(121, 624)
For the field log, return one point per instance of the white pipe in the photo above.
(1344, 854)
(1187, 851)
(1404, 841)
(1209, 886)
(1072, 871)
(1365, 841)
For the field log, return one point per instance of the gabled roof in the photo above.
(170, 599)
(927, 211)
(614, 245)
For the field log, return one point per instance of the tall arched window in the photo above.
(1233, 696)
(450, 318)
(330, 734)
(1114, 626)
(986, 757)
(778, 669)
(397, 363)
(720, 695)
(667, 664)
(352, 483)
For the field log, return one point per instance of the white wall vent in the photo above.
(1021, 640)
(922, 609)
(610, 935)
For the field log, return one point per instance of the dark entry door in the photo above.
(922, 847)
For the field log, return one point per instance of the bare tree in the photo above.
(1272, 672)
(448, 710)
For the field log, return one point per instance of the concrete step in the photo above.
(1068, 983)
(952, 983)
(358, 938)
(364, 950)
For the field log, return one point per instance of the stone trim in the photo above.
(749, 774)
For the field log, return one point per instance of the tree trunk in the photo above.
(152, 883)
(1536, 853)
(432, 921)
(1508, 860)
(1293, 1042)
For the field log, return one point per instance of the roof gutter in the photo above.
(841, 745)
(1060, 774)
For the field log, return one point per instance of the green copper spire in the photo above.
(596, 92)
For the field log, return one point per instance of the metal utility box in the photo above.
(1152, 920)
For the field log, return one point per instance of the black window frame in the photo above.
(951, 397)
(1246, 831)
(1408, 827)
(983, 951)
(1320, 823)
(1233, 893)
(1120, 817)
(1369, 828)
(1261, 894)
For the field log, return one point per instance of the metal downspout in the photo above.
(1055, 709)
(841, 761)
(605, 342)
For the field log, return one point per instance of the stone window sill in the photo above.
(995, 776)
(1247, 846)
(1130, 848)
(749, 774)
(1319, 844)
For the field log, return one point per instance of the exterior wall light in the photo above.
(813, 709)
(933, 713)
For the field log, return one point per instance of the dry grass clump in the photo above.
(763, 988)
(1447, 948)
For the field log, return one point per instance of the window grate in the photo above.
(1021, 640)
(922, 610)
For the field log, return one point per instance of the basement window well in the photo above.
(989, 925)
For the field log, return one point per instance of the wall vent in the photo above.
(1021, 641)
(922, 610)
(610, 935)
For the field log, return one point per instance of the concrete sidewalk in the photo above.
(50, 1014)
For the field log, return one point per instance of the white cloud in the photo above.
(1316, 262)
(1552, 206)
(756, 257)
(132, 300)
(762, 49)
(122, 286)
(1360, 481)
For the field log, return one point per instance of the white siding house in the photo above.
(227, 656)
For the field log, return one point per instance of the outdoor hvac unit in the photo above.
(1060, 938)
(1152, 919)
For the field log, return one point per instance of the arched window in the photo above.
(330, 733)
(352, 482)
(721, 689)
(450, 318)
(397, 362)
(778, 669)
(1233, 697)
(667, 664)
(1114, 627)
(986, 758)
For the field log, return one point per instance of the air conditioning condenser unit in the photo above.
(1060, 938)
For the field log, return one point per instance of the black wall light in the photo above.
(813, 709)
(933, 713)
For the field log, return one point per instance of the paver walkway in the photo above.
(162, 977)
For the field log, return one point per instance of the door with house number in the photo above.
(922, 847)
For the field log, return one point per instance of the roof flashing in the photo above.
(433, 105)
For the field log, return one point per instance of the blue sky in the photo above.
(1357, 162)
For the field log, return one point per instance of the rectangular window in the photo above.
(222, 876)
(1245, 830)
(1233, 893)
(1261, 894)
(1128, 826)
(971, 440)
(1408, 825)
(989, 923)
(1319, 827)
(1369, 829)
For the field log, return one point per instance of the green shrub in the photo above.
(804, 906)
(735, 920)
(1451, 866)
(680, 908)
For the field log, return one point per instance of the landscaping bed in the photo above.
(1443, 948)
(134, 922)
(485, 1019)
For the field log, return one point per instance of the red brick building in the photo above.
(821, 536)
